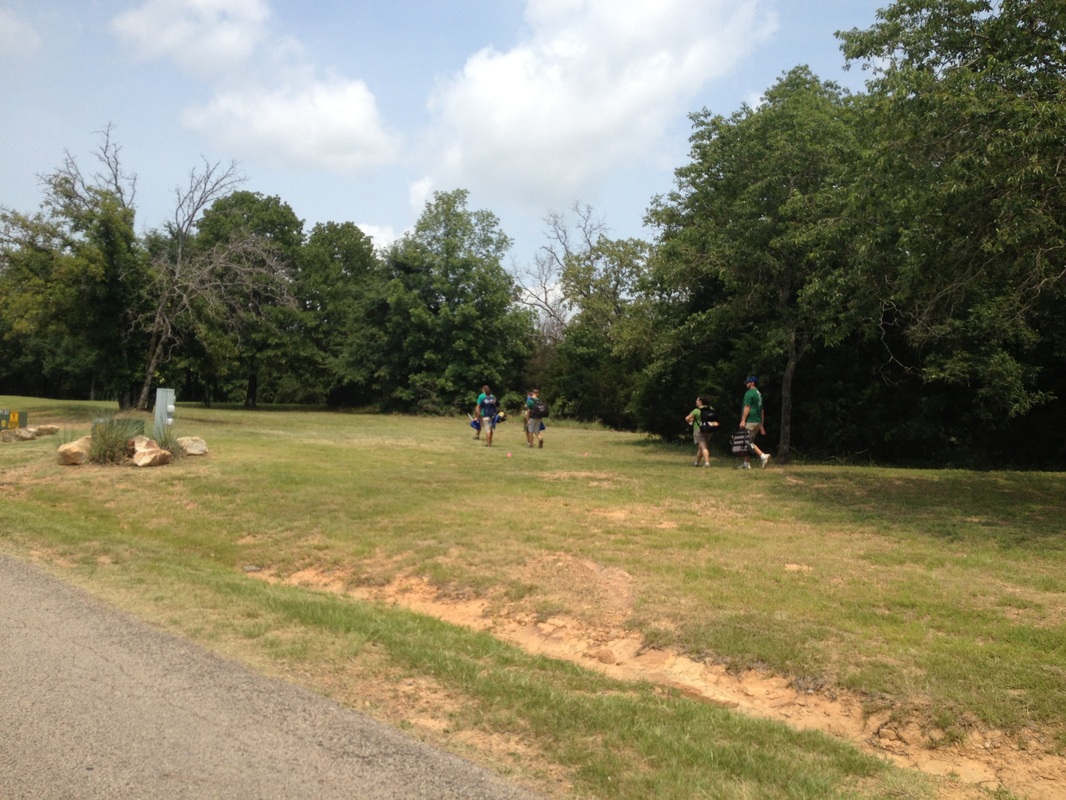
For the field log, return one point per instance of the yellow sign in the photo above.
(11, 419)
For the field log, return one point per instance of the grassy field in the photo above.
(938, 595)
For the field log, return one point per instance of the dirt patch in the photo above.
(598, 600)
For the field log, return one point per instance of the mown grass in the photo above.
(938, 593)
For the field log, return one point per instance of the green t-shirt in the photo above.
(697, 415)
(753, 399)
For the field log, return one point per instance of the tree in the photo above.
(339, 286)
(753, 241)
(593, 366)
(73, 277)
(255, 240)
(187, 283)
(540, 287)
(966, 218)
(449, 319)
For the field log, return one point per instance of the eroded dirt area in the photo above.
(592, 634)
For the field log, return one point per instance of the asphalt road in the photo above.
(95, 704)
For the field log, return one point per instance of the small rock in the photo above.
(605, 655)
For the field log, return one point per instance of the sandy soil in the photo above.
(600, 600)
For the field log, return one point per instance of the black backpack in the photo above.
(708, 420)
(488, 406)
(539, 409)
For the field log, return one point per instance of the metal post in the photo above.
(164, 410)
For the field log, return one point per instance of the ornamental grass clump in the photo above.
(168, 440)
(110, 439)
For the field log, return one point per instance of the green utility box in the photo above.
(13, 419)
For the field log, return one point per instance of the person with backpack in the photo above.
(486, 410)
(704, 421)
(751, 419)
(536, 411)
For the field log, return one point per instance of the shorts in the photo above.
(699, 437)
(488, 423)
(533, 425)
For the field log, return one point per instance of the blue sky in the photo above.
(357, 111)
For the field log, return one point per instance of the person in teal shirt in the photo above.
(486, 410)
(534, 425)
(751, 419)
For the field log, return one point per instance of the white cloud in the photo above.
(206, 37)
(595, 86)
(17, 37)
(268, 105)
(381, 235)
(311, 124)
(419, 193)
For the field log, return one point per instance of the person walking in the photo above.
(700, 418)
(475, 418)
(486, 411)
(534, 423)
(751, 419)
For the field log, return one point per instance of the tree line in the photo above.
(890, 262)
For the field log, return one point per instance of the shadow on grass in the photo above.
(1009, 509)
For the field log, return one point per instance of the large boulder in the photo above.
(148, 453)
(75, 453)
(193, 445)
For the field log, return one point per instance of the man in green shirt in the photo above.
(751, 418)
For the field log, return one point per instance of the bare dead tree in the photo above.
(541, 286)
(69, 191)
(189, 284)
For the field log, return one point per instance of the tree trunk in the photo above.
(795, 353)
(161, 330)
(785, 443)
(153, 363)
(253, 385)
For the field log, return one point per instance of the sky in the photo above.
(358, 110)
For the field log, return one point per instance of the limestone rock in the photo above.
(193, 445)
(74, 453)
(148, 453)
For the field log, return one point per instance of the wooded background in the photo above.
(890, 263)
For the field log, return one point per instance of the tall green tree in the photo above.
(72, 278)
(753, 242)
(339, 287)
(449, 316)
(962, 197)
